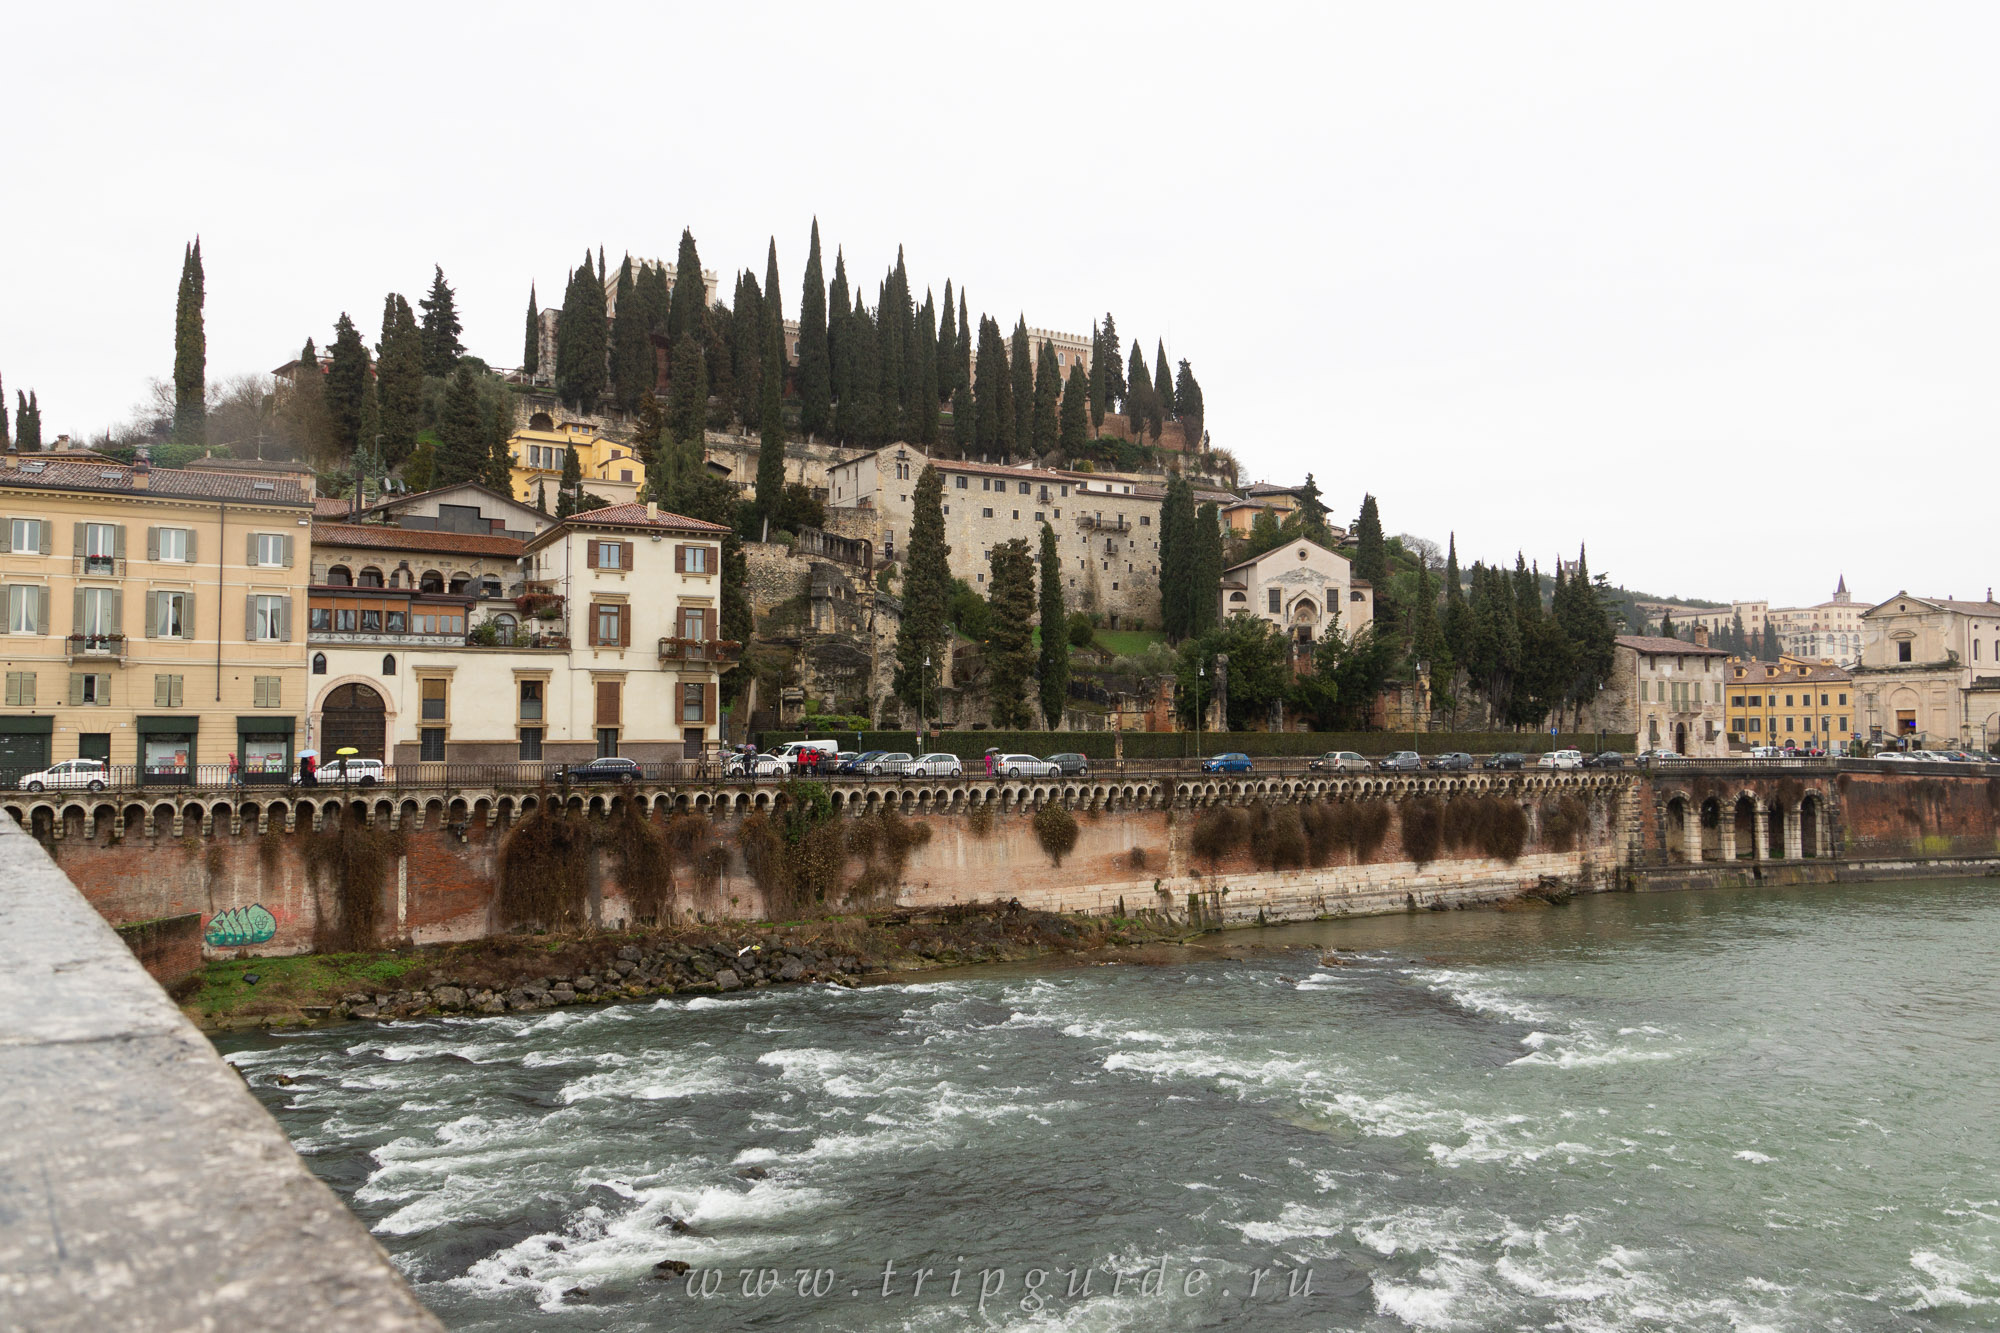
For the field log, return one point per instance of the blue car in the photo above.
(1227, 763)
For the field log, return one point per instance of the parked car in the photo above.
(1340, 761)
(856, 763)
(936, 766)
(353, 769)
(1072, 765)
(840, 761)
(1232, 762)
(889, 763)
(609, 768)
(88, 774)
(771, 765)
(1659, 757)
(1506, 759)
(1766, 752)
(791, 750)
(1605, 759)
(1403, 761)
(1025, 766)
(1450, 761)
(1562, 759)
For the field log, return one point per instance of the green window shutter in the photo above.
(118, 609)
(176, 689)
(42, 598)
(187, 615)
(44, 527)
(285, 611)
(152, 543)
(76, 626)
(118, 541)
(288, 551)
(6, 536)
(250, 613)
(76, 680)
(160, 691)
(13, 689)
(250, 548)
(192, 557)
(152, 615)
(82, 544)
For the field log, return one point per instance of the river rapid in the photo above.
(1707, 1111)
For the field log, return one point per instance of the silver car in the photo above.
(888, 765)
(936, 766)
(1025, 766)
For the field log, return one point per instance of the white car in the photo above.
(772, 765)
(87, 774)
(937, 766)
(1661, 757)
(360, 772)
(1562, 759)
(1024, 766)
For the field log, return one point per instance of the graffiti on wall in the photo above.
(239, 926)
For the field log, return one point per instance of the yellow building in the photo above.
(1790, 702)
(610, 470)
(151, 619)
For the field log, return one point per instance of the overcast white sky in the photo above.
(1710, 287)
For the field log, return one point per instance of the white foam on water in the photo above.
(1429, 1302)
(1480, 993)
(1543, 1287)
(1952, 1283)
(653, 1077)
(1747, 1155)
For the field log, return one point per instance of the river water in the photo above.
(1771, 1110)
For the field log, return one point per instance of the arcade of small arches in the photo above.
(57, 818)
(1746, 825)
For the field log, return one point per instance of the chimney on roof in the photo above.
(1701, 636)
(652, 510)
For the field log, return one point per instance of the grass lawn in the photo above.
(1126, 642)
(298, 979)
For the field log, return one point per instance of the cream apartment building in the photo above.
(152, 617)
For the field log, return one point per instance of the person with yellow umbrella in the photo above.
(342, 754)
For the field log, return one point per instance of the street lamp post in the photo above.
(1200, 670)
(923, 700)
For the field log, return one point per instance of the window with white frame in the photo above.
(173, 544)
(170, 618)
(268, 622)
(24, 605)
(270, 548)
(26, 535)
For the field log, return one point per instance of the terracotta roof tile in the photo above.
(635, 516)
(107, 476)
(378, 537)
(1657, 646)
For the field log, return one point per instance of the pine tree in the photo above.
(570, 489)
(531, 343)
(399, 380)
(581, 337)
(926, 589)
(1205, 590)
(442, 349)
(1098, 383)
(690, 296)
(1163, 382)
(1047, 402)
(815, 377)
(190, 353)
(1187, 402)
(1114, 369)
(687, 393)
(1021, 368)
(1054, 664)
(631, 342)
(1312, 513)
(1073, 423)
(462, 439)
(346, 386)
(1008, 644)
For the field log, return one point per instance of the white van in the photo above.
(1562, 759)
(790, 751)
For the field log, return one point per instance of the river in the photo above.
(1720, 1110)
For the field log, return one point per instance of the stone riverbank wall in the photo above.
(267, 876)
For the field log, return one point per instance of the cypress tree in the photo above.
(6, 433)
(570, 488)
(838, 311)
(862, 349)
(399, 380)
(27, 422)
(462, 440)
(531, 343)
(1073, 427)
(1021, 369)
(893, 321)
(190, 352)
(947, 346)
(346, 386)
(1739, 641)
(771, 450)
(1114, 369)
(926, 590)
(1047, 400)
(771, 333)
(748, 353)
(631, 342)
(924, 395)
(1163, 382)
(1008, 643)
(499, 471)
(542, 496)
(964, 412)
(687, 394)
(442, 349)
(1312, 514)
(1179, 546)
(1457, 613)
(815, 373)
(1205, 593)
(1371, 559)
(719, 336)
(690, 296)
(1097, 379)
(1187, 403)
(1054, 664)
(303, 413)
(992, 394)
(581, 337)
(1667, 630)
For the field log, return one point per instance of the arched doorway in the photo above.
(1711, 830)
(1746, 829)
(353, 715)
(541, 421)
(1680, 738)
(1809, 826)
(1779, 847)
(1677, 829)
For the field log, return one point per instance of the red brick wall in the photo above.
(168, 948)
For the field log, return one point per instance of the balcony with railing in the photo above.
(97, 567)
(96, 647)
(1116, 523)
(713, 652)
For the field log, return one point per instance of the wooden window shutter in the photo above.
(625, 627)
(117, 611)
(680, 559)
(625, 555)
(118, 542)
(42, 598)
(192, 557)
(708, 713)
(593, 625)
(708, 623)
(250, 614)
(76, 624)
(589, 554)
(288, 550)
(285, 615)
(82, 543)
(6, 535)
(76, 680)
(152, 543)
(249, 548)
(607, 703)
(187, 611)
(152, 614)
(46, 528)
